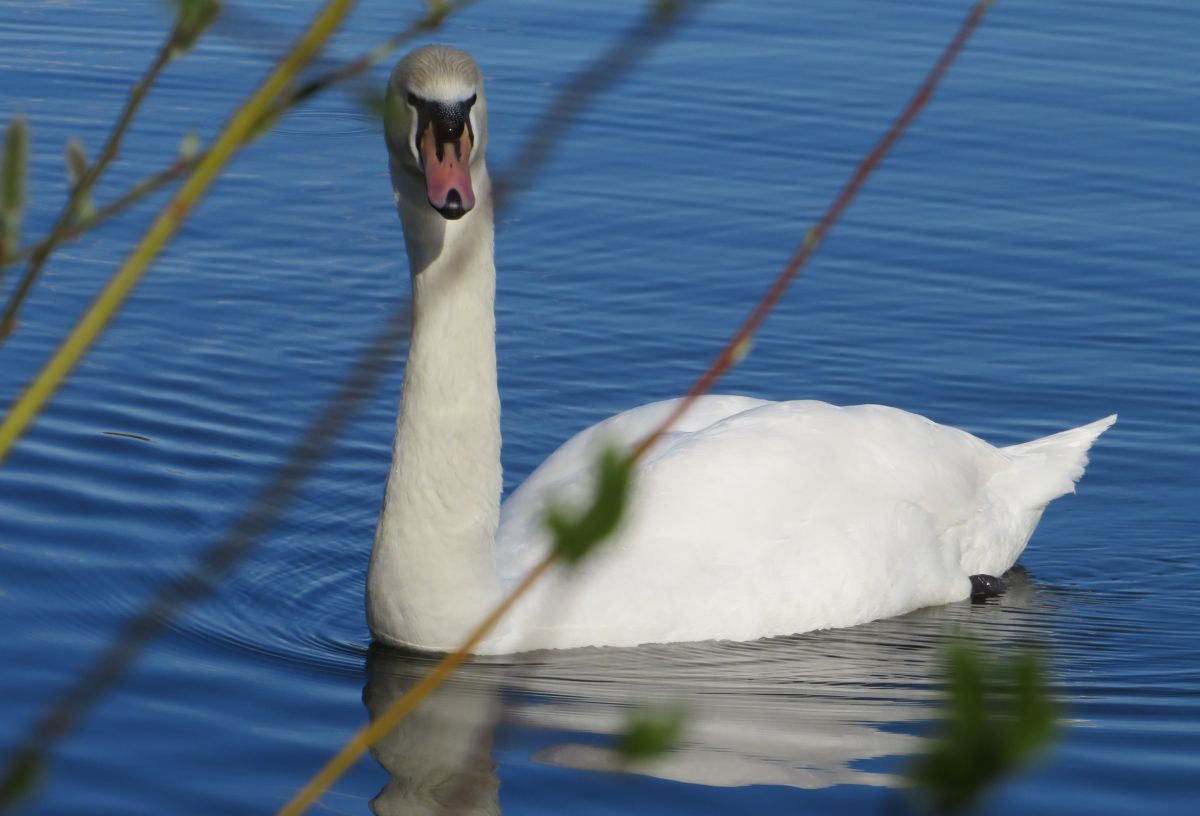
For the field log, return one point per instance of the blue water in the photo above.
(1024, 262)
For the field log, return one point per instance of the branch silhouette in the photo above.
(266, 509)
(181, 35)
(70, 229)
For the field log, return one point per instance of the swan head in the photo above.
(436, 128)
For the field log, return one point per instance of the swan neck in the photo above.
(431, 576)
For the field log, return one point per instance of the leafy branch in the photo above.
(649, 732)
(25, 765)
(12, 183)
(78, 216)
(192, 18)
(244, 122)
(577, 534)
(996, 718)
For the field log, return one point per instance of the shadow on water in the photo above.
(805, 711)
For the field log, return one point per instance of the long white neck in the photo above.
(431, 575)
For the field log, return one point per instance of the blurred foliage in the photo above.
(576, 534)
(650, 732)
(189, 146)
(76, 160)
(20, 780)
(192, 18)
(12, 182)
(996, 717)
(77, 167)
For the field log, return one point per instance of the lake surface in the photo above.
(1025, 262)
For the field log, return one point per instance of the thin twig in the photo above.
(223, 555)
(600, 75)
(263, 512)
(735, 349)
(69, 214)
(71, 229)
(726, 359)
(437, 14)
(136, 192)
(372, 733)
(110, 300)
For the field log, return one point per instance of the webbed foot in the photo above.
(986, 586)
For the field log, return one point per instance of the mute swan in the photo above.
(751, 519)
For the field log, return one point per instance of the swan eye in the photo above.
(447, 119)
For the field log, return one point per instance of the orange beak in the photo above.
(448, 173)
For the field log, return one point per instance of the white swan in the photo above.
(752, 519)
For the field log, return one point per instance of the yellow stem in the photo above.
(399, 709)
(23, 411)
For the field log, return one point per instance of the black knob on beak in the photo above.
(453, 209)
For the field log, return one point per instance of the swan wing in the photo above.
(758, 518)
(567, 475)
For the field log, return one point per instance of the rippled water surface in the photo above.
(1025, 261)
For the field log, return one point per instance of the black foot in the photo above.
(986, 586)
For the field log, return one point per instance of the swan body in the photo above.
(749, 519)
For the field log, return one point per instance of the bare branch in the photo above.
(68, 216)
(68, 228)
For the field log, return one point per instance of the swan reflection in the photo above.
(802, 711)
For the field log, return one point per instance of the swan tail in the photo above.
(1047, 468)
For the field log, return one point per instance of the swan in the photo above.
(750, 519)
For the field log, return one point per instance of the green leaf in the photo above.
(77, 167)
(996, 717)
(12, 181)
(189, 147)
(192, 19)
(577, 533)
(77, 163)
(650, 732)
(1034, 716)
